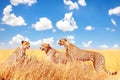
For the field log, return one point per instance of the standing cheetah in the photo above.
(83, 55)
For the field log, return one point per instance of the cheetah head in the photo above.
(45, 47)
(25, 44)
(62, 41)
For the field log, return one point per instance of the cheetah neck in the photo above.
(48, 49)
(51, 52)
(19, 50)
(66, 45)
(22, 47)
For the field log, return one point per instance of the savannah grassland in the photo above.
(36, 67)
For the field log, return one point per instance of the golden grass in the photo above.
(4, 54)
(37, 68)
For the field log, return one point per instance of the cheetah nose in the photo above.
(58, 42)
(40, 48)
(28, 46)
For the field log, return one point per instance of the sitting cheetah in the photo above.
(19, 53)
(53, 55)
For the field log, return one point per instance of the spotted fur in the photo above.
(53, 55)
(75, 53)
(19, 53)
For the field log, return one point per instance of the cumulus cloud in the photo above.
(103, 46)
(113, 22)
(112, 30)
(10, 18)
(82, 2)
(54, 30)
(109, 29)
(14, 42)
(48, 40)
(114, 11)
(115, 46)
(89, 28)
(87, 45)
(43, 24)
(36, 44)
(2, 29)
(71, 38)
(72, 5)
(17, 39)
(28, 2)
(1, 43)
(45, 40)
(67, 23)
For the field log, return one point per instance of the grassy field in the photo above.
(37, 68)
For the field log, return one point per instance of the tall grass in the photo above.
(39, 69)
(33, 69)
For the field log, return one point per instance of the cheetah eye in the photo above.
(60, 40)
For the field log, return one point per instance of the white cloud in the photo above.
(112, 30)
(54, 30)
(87, 45)
(89, 28)
(104, 46)
(114, 11)
(72, 5)
(113, 22)
(68, 23)
(1, 43)
(43, 24)
(107, 28)
(71, 38)
(115, 46)
(48, 40)
(10, 18)
(36, 44)
(28, 2)
(14, 42)
(45, 40)
(2, 29)
(17, 39)
(82, 2)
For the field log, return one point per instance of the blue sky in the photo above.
(85, 23)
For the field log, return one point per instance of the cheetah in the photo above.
(75, 53)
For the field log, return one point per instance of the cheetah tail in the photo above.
(110, 73)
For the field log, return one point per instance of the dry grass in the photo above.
(37, 68)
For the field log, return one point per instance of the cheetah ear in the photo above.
(48, 45)
(22, 42)
(65, 39)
